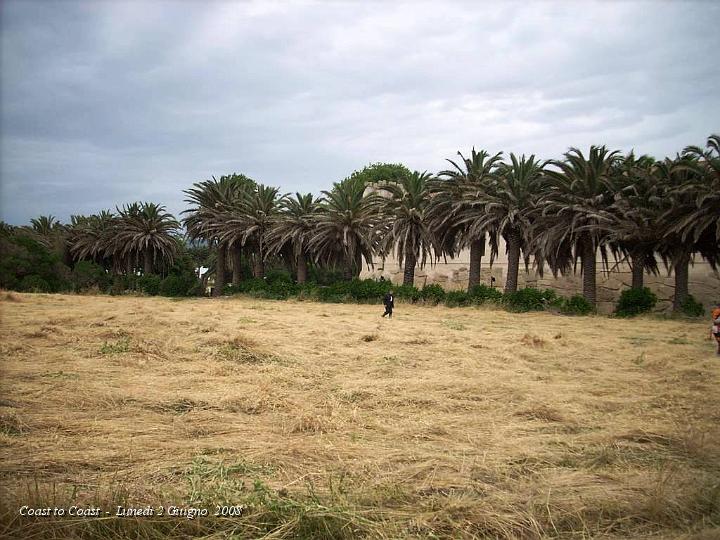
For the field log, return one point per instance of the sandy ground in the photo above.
(497, 416)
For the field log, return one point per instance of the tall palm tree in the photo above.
(683, 238)
(475, 171)
(348, 227)
(703, 191)
(292, 228)
(410, 234)
(575, 207)
(150, 232)
(634, 234)
(505, 207)
(247, 222)
(45, 226)
(211, 199)
(92, 237)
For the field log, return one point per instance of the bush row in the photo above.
(372, 292)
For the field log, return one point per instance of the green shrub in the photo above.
(307, 291)
(576, 305)
(691, 307)
(367, 290)
(331, 293)
(407, 292)
(531, 299)
(324, 276)
(87, 274)
(149, 284)
(33, 283)
(457, 298)
(178, 285)
(433, 294)
(23, 257)
(278, 274)
(635, 301)
(117, 288)
(482, 293)
(281, 290)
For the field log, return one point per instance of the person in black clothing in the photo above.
(389, 301)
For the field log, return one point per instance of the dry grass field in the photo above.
(326, 421)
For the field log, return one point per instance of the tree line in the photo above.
(550, 214)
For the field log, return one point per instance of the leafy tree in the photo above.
(28, 264)
(380, 173)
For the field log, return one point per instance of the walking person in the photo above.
(716, 325)
(389, 301)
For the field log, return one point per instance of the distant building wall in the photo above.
(453, 274)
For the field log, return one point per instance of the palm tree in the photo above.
(505, 207)
(45, 226)
(149, 232)
(634, 232)
(575, 211)
(92, 237)
(292, 228)
(211, 199)
(247, 222)
(410, 234)
(683, 238)
(348, 226)
(703, 191)
(52, 234)
(453, 236)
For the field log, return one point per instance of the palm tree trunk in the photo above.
(147, 259)
(302, 268)
(219, 271)
(236, 263)
(638, 270)
(129, 266)
(357, 268)
(588, 270)
(477, 248)
(258, 266)
(349, 268)
(409, 273)
(513, 244)
(681, 281)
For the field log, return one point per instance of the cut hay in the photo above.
(446, 424)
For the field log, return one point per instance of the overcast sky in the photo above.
(108, 102)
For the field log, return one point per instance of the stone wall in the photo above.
(453, 274)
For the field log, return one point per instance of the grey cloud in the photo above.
(108, 102)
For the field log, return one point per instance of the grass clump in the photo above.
(242, 350)
(117, 347)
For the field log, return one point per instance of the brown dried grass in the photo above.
(581, 428)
